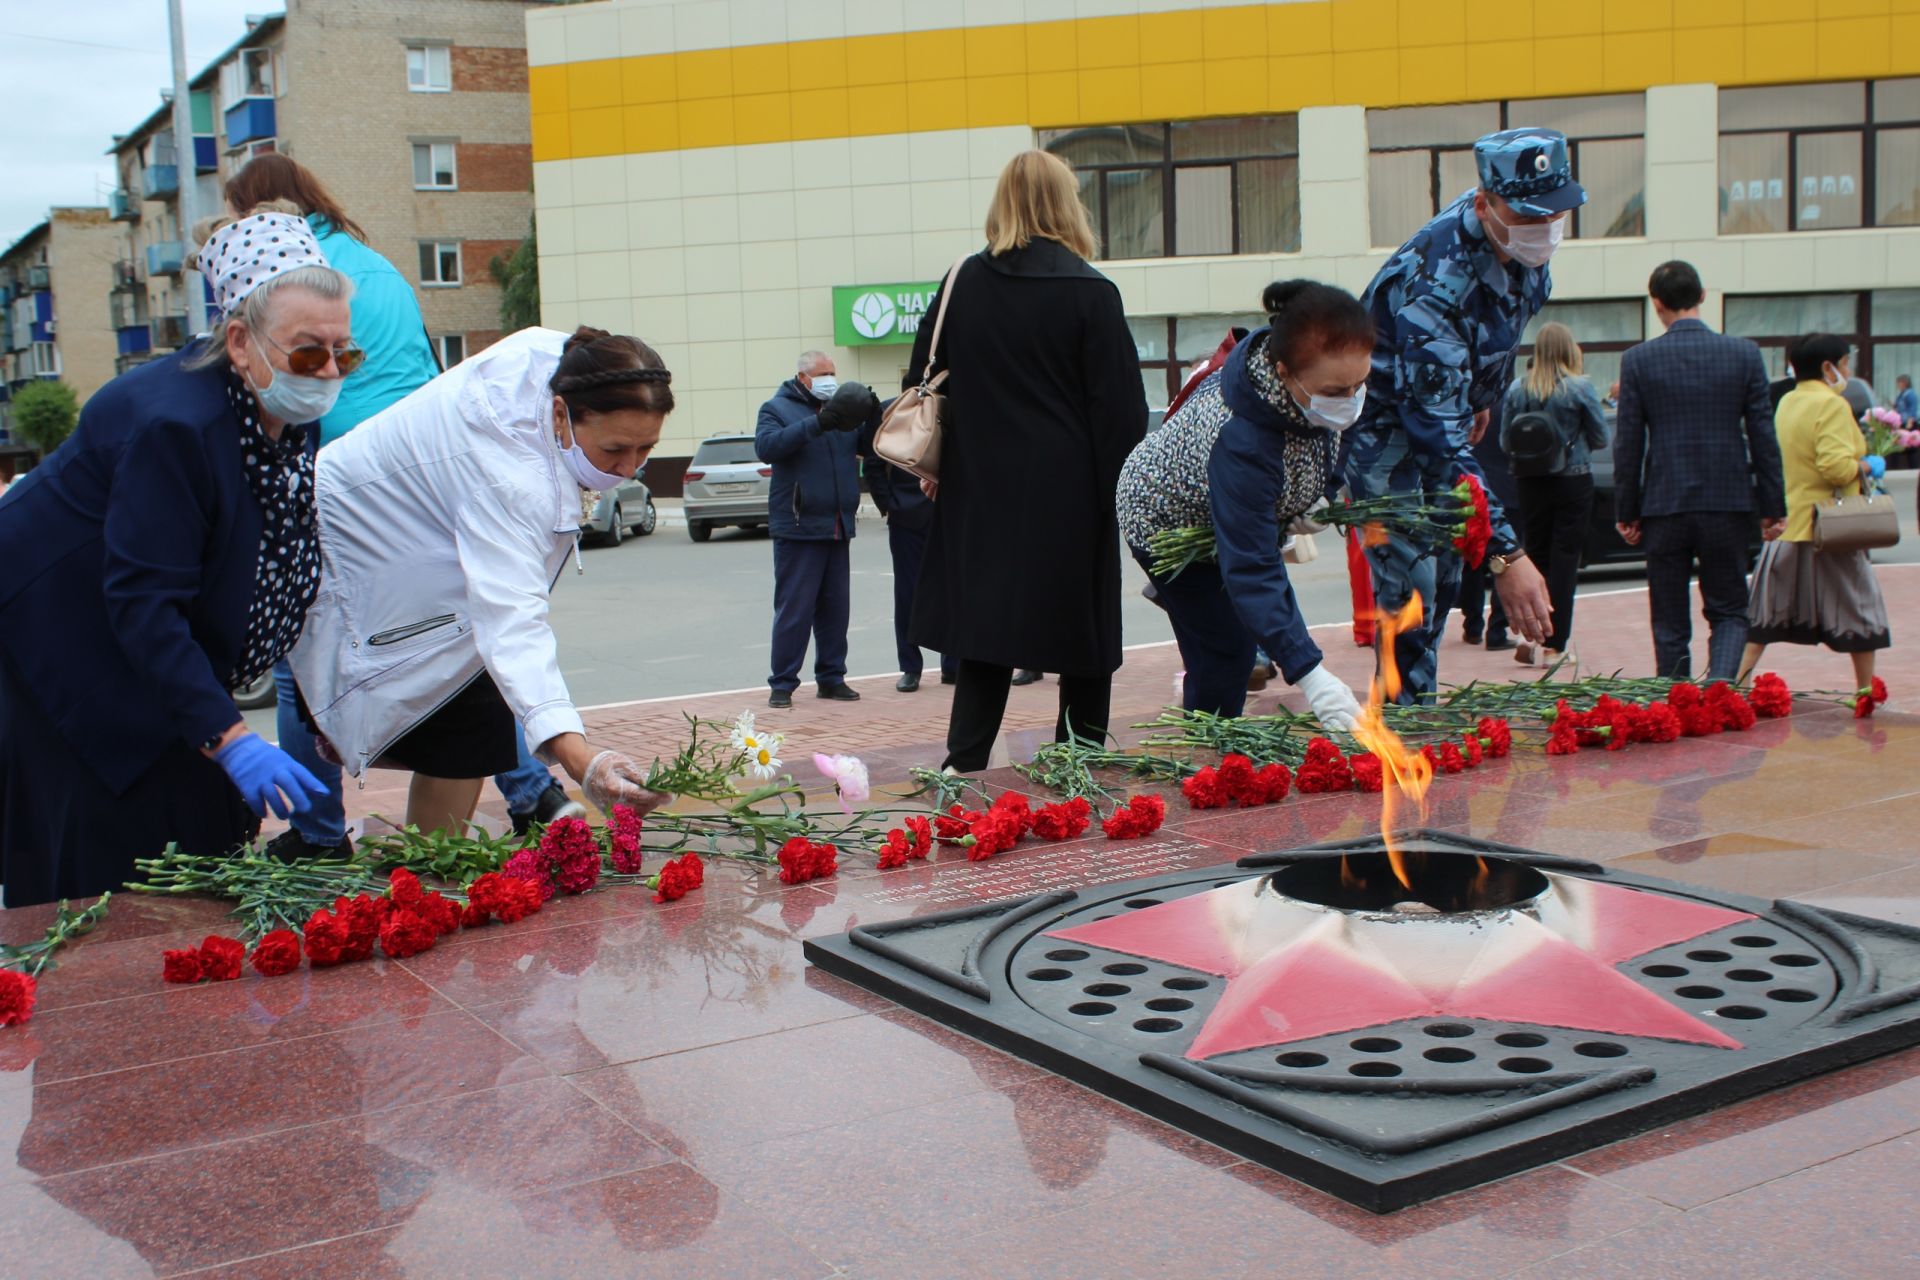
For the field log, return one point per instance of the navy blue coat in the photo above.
(815, 493)
(127, 563)
(896, 492)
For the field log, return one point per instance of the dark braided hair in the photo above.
(1308, 317)
(601, 372)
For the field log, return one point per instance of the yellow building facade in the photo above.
(739, 180)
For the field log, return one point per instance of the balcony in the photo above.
(128, 311)
(169, 331)
(134, 340)
(40, 277)
(206, 153)
(126, 275)
(161, 181)
(129, 360)
(248, 119)
(166, 258)
(123, 206)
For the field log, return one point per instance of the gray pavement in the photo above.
(663, 616)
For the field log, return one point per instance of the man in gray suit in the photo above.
(1694, 460)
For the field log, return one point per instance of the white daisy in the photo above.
(763, 757)
(743, 731)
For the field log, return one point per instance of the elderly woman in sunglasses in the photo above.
(444, 522)
(163, 556)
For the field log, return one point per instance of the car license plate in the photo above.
(734, 487)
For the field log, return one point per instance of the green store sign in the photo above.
(873, 315)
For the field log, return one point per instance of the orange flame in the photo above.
(1405, 772)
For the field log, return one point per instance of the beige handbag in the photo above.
(1863, 522)
(909, 434)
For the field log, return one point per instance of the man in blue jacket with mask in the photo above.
(809, 434)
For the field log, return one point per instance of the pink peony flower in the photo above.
(848, 775)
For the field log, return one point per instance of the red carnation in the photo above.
(1771, 697)
(1682, 696)
(1862, 705)
(181, 966)
(955, 825)
(1018, 808)
(440, 911)
(1067, 821)
(1236, 779)
(1736, 713)
(1274, 781)
(1451, 761)
(1140, 816)
(473, 916)
(678, 878)
(1205, 790)
(531, 866)
(520, 899)
(1470, 748)
(363, 917)
(1563, 740)
(277, 953)
(403, 887)
(406, 934)
(1325, 769)
(326, 939)
(623, 840)
(1476, 531)
(16, 997)
(221, 958)
(1367, 773)
(893, 851)
(994, 831)
(1879, 690)
(1699, 722)
(802, 860)
(921, 830)
(1497, 735)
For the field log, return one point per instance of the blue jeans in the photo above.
(1384, 462)
(325, 823)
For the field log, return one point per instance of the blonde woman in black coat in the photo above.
(1045, 402)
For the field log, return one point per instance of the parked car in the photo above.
(261, 693)
(628, 509)
(726, 484)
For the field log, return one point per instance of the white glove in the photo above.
(1333, 704)
(612, 778)
(1305, 522)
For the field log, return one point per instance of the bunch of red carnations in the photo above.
(802, 859)
(1237, 784)
(1868, 698)
(1008, 820)
(913, 840)
(567, 859)
(1688, 711)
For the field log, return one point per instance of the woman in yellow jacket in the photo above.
(1801, 595)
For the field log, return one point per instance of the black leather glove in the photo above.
(849, 409)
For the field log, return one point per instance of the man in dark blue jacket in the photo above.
(814, 499)
(908, 513)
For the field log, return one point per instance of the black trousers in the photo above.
(1554, 511)
(1216, 648)
(812, 596)
(1717, 541)
(1480, 605)
(980, 703)
(908, 548)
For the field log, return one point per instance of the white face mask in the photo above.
(1532, 244)
(585, 474)
(1336, 413)
(291, 397)
(1838, 381)
(824, 386)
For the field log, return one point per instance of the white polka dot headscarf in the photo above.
(245, 254)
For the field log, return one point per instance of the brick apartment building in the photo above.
(413, 112)
(54, 320)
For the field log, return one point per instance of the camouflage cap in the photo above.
(1530, 170)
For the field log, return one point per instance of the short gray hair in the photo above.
(256, 309)
(811, 360)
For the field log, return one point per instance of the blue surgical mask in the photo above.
(824, 386)
(585, 474)
(293, 398)
(1336, 413)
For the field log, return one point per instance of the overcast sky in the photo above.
(75, 72)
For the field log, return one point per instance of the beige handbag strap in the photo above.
(928, 383)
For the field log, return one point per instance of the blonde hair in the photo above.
(1038, 196)
(1556, 356)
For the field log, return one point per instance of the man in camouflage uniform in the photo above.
(1450, 308)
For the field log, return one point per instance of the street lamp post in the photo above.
(187, 165)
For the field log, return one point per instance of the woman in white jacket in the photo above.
(444, 521)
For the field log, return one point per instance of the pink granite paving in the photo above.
(617, 1088)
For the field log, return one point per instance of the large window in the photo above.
(429, 68)
(1421, 159)
(1188, 188)
(1883, 326)
(433, 167)
(251, 74)
(1818, 157)
(453, 349)
(1170, 347)
(1604, 330)
(440, 263)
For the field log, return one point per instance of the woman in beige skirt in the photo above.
(1802, 595)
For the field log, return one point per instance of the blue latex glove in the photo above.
(1876, 466)
(263, 772)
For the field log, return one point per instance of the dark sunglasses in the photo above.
(309, 360)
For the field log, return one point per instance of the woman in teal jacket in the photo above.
(400, 358)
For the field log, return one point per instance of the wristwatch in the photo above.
(1497, 565)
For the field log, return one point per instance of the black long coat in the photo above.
(1045, 402)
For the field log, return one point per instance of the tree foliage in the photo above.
(44, 414)
(518, 275)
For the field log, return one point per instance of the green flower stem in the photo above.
(33, 958)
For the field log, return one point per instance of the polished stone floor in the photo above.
(618, 1088)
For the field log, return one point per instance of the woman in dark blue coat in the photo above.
(160, 558)
(1250, 451)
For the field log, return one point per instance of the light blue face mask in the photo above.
(293, 398)
(585, 474)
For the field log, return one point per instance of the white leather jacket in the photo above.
(444, 521)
